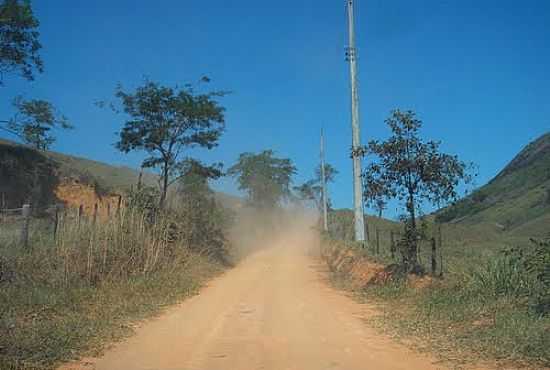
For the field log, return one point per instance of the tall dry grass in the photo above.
(64, 297)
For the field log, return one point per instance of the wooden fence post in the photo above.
(139, 183)
(440, 236)
(26, 212)
(79, 216)
(392, 245)
(95, 213)
(377, 241)
(119, 205)
(440, 250)
(367, 234)
(434, 257)
(55, 222)
(440, 263)
(3, 213)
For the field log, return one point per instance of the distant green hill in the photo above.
(341, 224)
(517, 200)
(27, 173)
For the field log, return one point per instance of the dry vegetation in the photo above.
(64, 298)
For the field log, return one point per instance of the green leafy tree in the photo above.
(166, 122)
(312, 190)
(195, 176)
(34, 121)
(19, 44)
(413, 171)
(264, 177)
(309, 192)
(19, 47)
(203, 222)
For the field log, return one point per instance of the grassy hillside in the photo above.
(30, 175)
(517, 200)
(341, 224)
(82, 282)
(108, 176)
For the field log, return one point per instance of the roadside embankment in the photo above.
(490, 314)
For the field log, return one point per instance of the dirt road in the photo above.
(274, 311)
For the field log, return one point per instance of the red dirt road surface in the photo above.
(274, 311)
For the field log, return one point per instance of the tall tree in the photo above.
(34, 121)
(166, 122)
(312, 190)
(264, 177)
(412, 170)
(19, 44)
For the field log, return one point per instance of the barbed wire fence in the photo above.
(17, 225)
(391, 242)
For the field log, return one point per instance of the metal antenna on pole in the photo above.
(351, 54)
(324, 183)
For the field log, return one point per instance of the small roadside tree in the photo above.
(413, 171)
(202, 221)
(165, 122)
(312, 190)
(19, 47)
(34, 121)
(265, 178)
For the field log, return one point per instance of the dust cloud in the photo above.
(291, 227)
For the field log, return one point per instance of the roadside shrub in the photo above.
(503, 276)
(201, 225)
(537, 264)
(145, 199)
(518, 274)
(59, 297)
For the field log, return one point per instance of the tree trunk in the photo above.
(412, 238)
(164, 190)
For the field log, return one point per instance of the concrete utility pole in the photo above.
(324, 183)
(356, 142)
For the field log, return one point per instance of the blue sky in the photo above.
(476, 72)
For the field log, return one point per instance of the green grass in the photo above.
(485, 306)
(43, 325)
(480, 311)
(69, 297)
